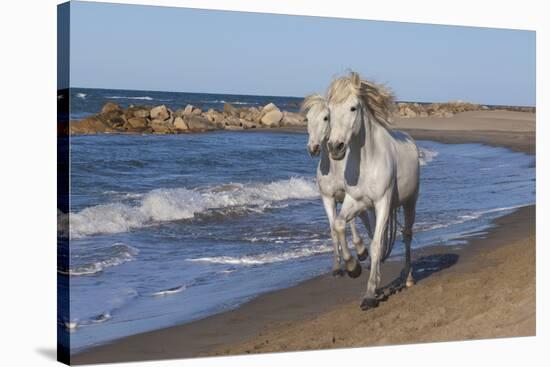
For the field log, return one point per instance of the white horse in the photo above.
(381, 170)
(330, 178)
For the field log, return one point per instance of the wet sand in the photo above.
(485, 289)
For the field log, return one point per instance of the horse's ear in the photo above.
(355, 79)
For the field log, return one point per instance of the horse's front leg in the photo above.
(382, 209)
(330, 208)
(349, 210)
(362, 252)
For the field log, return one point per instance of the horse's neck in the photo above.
(368, 143)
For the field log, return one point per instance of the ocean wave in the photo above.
(117, 254)
(421, 227)
(163, 205)
(426, 155)
(81, 95)
(267, 258)
(223, 101)
(169, 291)
(144, 98)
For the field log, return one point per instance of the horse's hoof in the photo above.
(363, 256)
(337, 273)
(410, 281)
(353, 268)
(369, 303)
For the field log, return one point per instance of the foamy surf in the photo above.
(426, 156)
(267, 258)
(141, 98)
(114, 255)
(169, 291)
(421, 227)
(163, 205)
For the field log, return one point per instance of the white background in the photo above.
(28, 181)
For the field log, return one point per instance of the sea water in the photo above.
(174, 228)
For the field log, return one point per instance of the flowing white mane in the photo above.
(311, 101)
(377, 98)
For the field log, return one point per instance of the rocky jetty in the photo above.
(162, 120)
(448, 109)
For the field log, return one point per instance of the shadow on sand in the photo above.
(422, 269)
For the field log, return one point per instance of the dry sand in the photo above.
(485, 289)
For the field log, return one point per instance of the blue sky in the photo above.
(176, 49)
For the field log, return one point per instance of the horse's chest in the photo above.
(362, 192)
(330, 185)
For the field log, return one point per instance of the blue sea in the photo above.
(169, 229)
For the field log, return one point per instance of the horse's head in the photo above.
(346, 110)
(317, 117)
(352, 103)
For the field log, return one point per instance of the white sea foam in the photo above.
(266, 258)
(117, 254)
(144, 98)
(426, 155)
(81, 95)
(169, 291)
(468, 217)
(162, 205)
(223, 101)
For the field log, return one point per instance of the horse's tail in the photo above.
(391, 232)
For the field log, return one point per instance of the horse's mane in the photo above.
(310, 101)
(378, 99)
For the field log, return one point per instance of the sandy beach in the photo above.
(485, 289)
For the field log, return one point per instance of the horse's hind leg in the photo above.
(362, 252)
(409, 211)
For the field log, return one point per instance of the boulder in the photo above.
(198, 123)
(114, 118)
(110, 107)
(249, 124)
(180, 124)
(136, 111)
(169, 121)
(196, 111)
(406, 111)
(160, 127)
(233, 121)
(293, 119)
(188, 109)
(89, 125)
(142, 112)
(160, 113)
(250, 114)
(214, 116)
(272, 118)
(269, 107)
(230, 110)
(137, 122)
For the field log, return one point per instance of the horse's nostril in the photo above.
(340, 147)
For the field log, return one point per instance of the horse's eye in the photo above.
(305, 120)
(326, 118)
(353, 109)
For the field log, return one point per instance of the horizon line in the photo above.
(301, 97)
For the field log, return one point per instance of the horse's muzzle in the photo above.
(337, 150)
(314, 150)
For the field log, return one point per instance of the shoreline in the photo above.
(300, 317)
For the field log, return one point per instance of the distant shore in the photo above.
(485, 289)
(142, 119)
